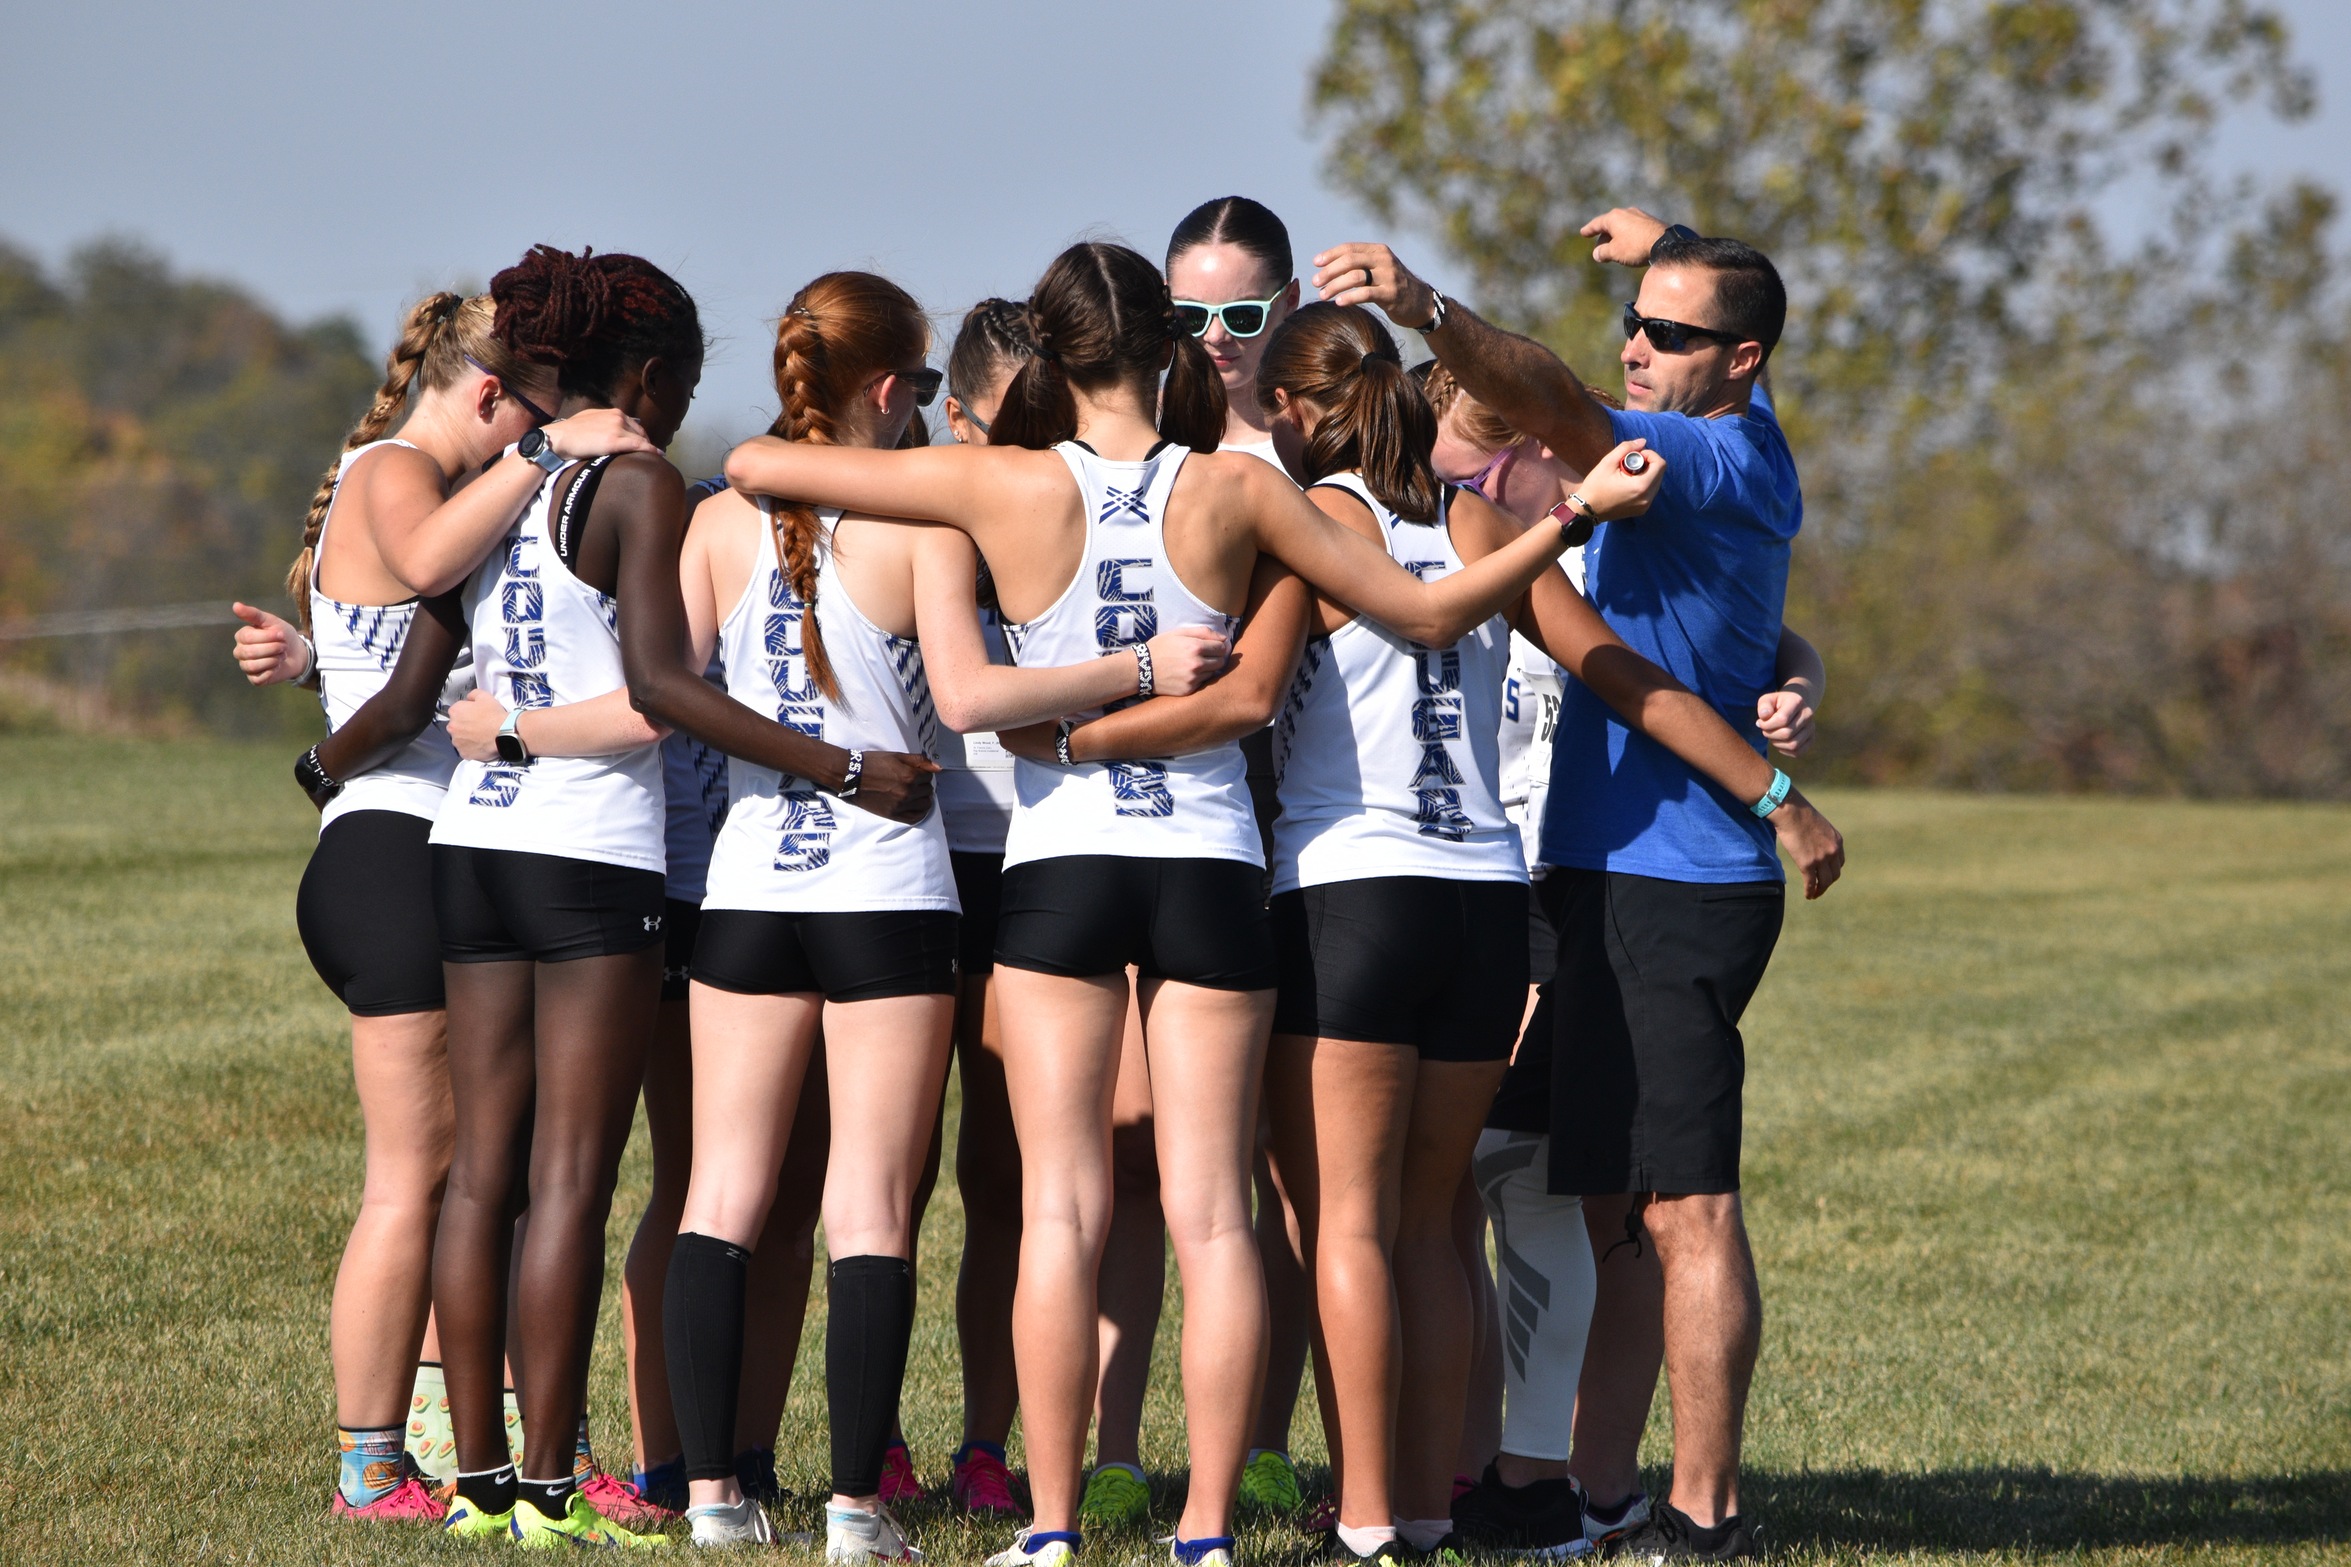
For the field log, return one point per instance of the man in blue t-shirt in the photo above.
(1667, 892)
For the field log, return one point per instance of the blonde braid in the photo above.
(418, 334)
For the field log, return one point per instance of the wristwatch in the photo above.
(511, 749)
(1673, 231)
(535, 446)
(1575, 519)
(314, 780)
(1436, 315)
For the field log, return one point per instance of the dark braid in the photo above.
(593, 316)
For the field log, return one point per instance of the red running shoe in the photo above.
(982, 1485)
(623, 1504)
(407, 1502)
(899, 1485)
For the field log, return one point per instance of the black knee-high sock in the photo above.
(702, 1332)
(869, 1318)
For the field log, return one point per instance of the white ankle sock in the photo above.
(1422, 1533)
(1365, 1541)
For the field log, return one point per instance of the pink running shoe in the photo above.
(1462, 1486)
(981, 1484)
(1324, 1517)
(407, 1502)
(623, 1504)
(899, 1485)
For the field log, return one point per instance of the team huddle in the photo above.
(1322, 806)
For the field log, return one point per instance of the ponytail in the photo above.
(428, 322)
(1192, 402)
(1375, 418)
(1101, 316)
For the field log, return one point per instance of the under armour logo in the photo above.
(1123, 505)
(652, 922)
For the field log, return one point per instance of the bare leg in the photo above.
(594, 1026)
(384, 1289)
(1621, 1359)
(987, 1173)
(1713, 1329)
(1060, 1070)
(1289, 1301)
(1207, 1064)
(1134, 1257)
(1449, 1104)
(492, 1077)
(1481, 1426)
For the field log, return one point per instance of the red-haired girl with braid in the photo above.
(863, 632)
(1131, 524)
(454, 394)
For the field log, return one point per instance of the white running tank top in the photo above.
(358, 645)
(1125, 592)
(542, 638)
(975, 784)
(787, 846)
(694, 783)
(1530, 715)
(1387, 749)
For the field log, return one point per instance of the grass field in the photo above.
(2049, 1158)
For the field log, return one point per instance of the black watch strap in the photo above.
(312, 776)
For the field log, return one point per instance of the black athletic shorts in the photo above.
(1200, 922)
(680, 922)
(1405, 960)
(365, 911)
(1542, 937)
(506, 906)
(862, 956)
(979, 887)
(1647, 1066)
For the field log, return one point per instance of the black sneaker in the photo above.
(1448, 1552)
(1388, 1553)
(1542, 1518)
(1670, 1536)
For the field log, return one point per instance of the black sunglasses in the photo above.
(511, 390)
(925, 382)
(1669, 337)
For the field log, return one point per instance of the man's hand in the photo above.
(268, 649)
(1785, 719)
(894, 784)
(1626, 236)
(1366, 274)
(1817, 847)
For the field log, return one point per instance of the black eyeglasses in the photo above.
(1669, 337)
(974, 420)
(529, 407)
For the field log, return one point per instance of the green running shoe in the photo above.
(469, 1522)
(580, 1524)
(1115, 1495)
(1270, 1482)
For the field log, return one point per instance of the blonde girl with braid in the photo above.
(863, 633)
(455, 394)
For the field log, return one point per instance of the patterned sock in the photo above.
(370, 1466)
(432, 1440)
(583, 1457)
(513, 1427)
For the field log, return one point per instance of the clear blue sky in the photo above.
(341, 158)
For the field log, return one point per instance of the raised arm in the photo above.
(1242, 701)
(1347, 567)
(972, 693)
(666, 683)
(398, 713)
(1517, 377)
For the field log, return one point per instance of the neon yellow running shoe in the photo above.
(581, 1524)
(469, 1522)
(1115, 1495)
(1269, 1481)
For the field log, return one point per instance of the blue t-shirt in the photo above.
(1696, 586)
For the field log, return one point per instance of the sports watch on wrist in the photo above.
(1673, 231)
(1436, 315)
(1576, 520)
(511, 749)
(535, 446)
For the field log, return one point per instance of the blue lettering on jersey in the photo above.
(526, 646)
(1140, 789)
(498, 787)
(522, 613)
(806, 843)
(1437, 718)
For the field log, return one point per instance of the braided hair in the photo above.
(593, 317)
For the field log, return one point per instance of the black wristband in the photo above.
(852, 776)
(312, 776)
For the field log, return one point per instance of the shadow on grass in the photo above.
(2039, 1509)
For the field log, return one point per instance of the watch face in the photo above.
(532, 443)
(510, 749)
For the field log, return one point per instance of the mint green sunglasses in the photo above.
(1241, 317)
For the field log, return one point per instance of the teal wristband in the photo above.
(1775, 796)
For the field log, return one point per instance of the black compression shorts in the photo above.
(979, 887)
(506, 906)
(1405, 960)
(680, 922)
(863, 956)
(365, 911)
(1200, 922)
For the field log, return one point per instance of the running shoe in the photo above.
(625, 1505)
(1447, 1552)
(1544, 1518)
(755, 1472)
(1388, 1553)
(1115, 1495)
(1269, 1481)
(981, 1483)
(745, 1523)
(1462, 1486)
(1213, 1552)
(1036, 1548)
(580, 1524)
(852, 1534)
(1670, 1536)
(469, 1522)
(1605, 1528)
(900, 1486)
(411, 1501)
